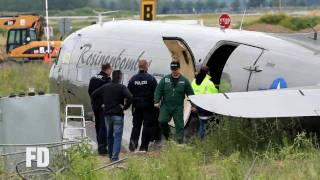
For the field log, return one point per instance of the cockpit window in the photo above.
(33, 35)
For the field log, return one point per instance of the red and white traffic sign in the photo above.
(225, 21)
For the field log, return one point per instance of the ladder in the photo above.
(74, 131)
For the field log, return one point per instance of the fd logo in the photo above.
(39, 154)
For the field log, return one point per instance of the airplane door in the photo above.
(180, 51)
(240, 66)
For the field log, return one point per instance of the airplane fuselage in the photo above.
(238, 60)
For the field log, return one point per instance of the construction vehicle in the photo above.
(24, 38)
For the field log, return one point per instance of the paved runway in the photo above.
(303, 39)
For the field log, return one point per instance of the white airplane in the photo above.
(239, 61)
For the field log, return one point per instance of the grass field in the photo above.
(17, 78)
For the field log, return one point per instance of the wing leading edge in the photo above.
(262, 104)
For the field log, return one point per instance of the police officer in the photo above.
(171, 91)
(142, 87)
(203, 85)
(116, 98)
(96, 82)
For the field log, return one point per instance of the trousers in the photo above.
(166, 114)
(114, 126)
(147, 118)
(101, 131)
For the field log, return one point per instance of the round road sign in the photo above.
(225, 21)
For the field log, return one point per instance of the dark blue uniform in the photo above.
(96, 82)
(142, 87)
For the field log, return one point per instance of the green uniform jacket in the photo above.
(171, 96)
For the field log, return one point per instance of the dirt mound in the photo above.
(314, 13)
(268, 28)
(317, 27)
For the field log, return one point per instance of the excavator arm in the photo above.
(18, 21)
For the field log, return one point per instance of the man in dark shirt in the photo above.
(116, 98)
(142, 87)
(96, 82)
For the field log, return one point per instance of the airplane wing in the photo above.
(262, 104)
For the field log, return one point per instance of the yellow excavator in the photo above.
(24, 38)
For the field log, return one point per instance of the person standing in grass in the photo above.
(116, 98)
(96, 103)
(142, 87)
(202, 84)
(171, 91)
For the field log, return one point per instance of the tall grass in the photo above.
(234, 149)
(4, 174)
(296, 159)
(171, 163)
(77, 162)
(16, 78)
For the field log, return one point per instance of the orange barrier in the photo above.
(47, 58)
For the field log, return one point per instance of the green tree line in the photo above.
(39, 5)
(276, 3)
